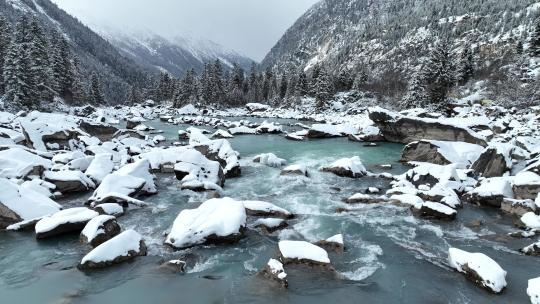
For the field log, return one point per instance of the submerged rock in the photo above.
(213, 222)
(260, 208)
(270, 160)
(274, 271)
(533, 249)
(297, 169)
(123, 247)
(65, 221)
(99, 230)
(360, 198)
(479, 268)
(173, 266)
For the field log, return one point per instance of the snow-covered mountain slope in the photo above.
(390, 37)
(176, 55)
(117, 72)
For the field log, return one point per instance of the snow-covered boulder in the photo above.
(265, 209)
(442, 152)
(269, 128)
(69, 181)
(100, 167)
(533, 290)
(431, 174)
(197, 173)
(19, 163)
(327, 131)
(243, 130)
(297, 136)
(18, 203)
(347, 167)
(479, 268)
(269, 159)
(140, 169)
(133, 122)
(334, 243)
(406, 129)
(100, 229)
(526, 185)
(100, 130)
(490, 192)
(361, 198)
(123, 247)
(533, 249)
(113, 209)
(274, 271)
(438, 211)
(221, 134)
(220, 150)
(302, 252)
(296, 169)
(257, 107)
(518, 207)
(494, 161)
(64, 221)
(530, 220)
(44, 131)
(269, 225)
(214, 221)
(188, 110)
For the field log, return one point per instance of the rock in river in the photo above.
(99, 230)
(65, 221)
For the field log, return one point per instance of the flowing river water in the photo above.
(391, 256)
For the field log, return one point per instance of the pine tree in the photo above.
(323, 87)
(79, 94)
(344, 81)
(187, 90)
(96, 91)
(39, 63)
(360, 80)
(466, 66)
(62, 69)
(534, 46)
(17, 74)
(254, 89)
(302, 86)
(135, 95)
(439, 73)
(416, 95)
(282, 90)
(5, 40)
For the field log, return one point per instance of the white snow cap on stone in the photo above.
(220, 216)
(338, 238)
(92, 228)
(17, 162)
(525, 178)
(72, 215)
(120, 245)
(277, 268)
(100, 167)
(491, 274)
(296, 167)
(500, 185)
(531, 220)
(264, 207)
(302, 250)
(354, 164)
(270, 159)
(26, 203)
(533, 290)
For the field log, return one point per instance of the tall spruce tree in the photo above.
(439, 73)
(5, 40)
(416, 95)
(62, 67)
(323, 87)
(465, 66)
(39, 63)
(302, 85)
(534, 46)
(96, 90)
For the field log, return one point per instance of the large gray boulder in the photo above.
(405, 129)
(490, 163)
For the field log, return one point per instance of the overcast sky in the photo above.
(250, 27)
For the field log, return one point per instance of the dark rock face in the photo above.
(63, 229)
(473, 276)
(533, 249)
(366, 200)
(331, 246)
(69, 186)
(268, 230)
(130, 255)
(7, 217)
(109, 229)
(100, 130)
(343, 172)
(319, 134)
(130, 124)
(490, 163)
(517, 207)
(214, 155)
(403, 129)
(426, 211)
(268, 273)
(492, 201)
(423, 151)
(526, 191)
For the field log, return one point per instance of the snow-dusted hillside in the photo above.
(175, 56)
(389, 38)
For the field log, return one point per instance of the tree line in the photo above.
(37, 65)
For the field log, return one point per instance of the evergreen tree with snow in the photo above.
(40, 86)
(344, 81)
(78, 87)
(302, 85)
(254, 85)
(416, 95)
(17, 67)
(439, 73)
(323, 87)
(282, 90)
(465, 66)
(360, 80)
(62, 67)
(534, 45)
(5, 40)
(96, 91)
